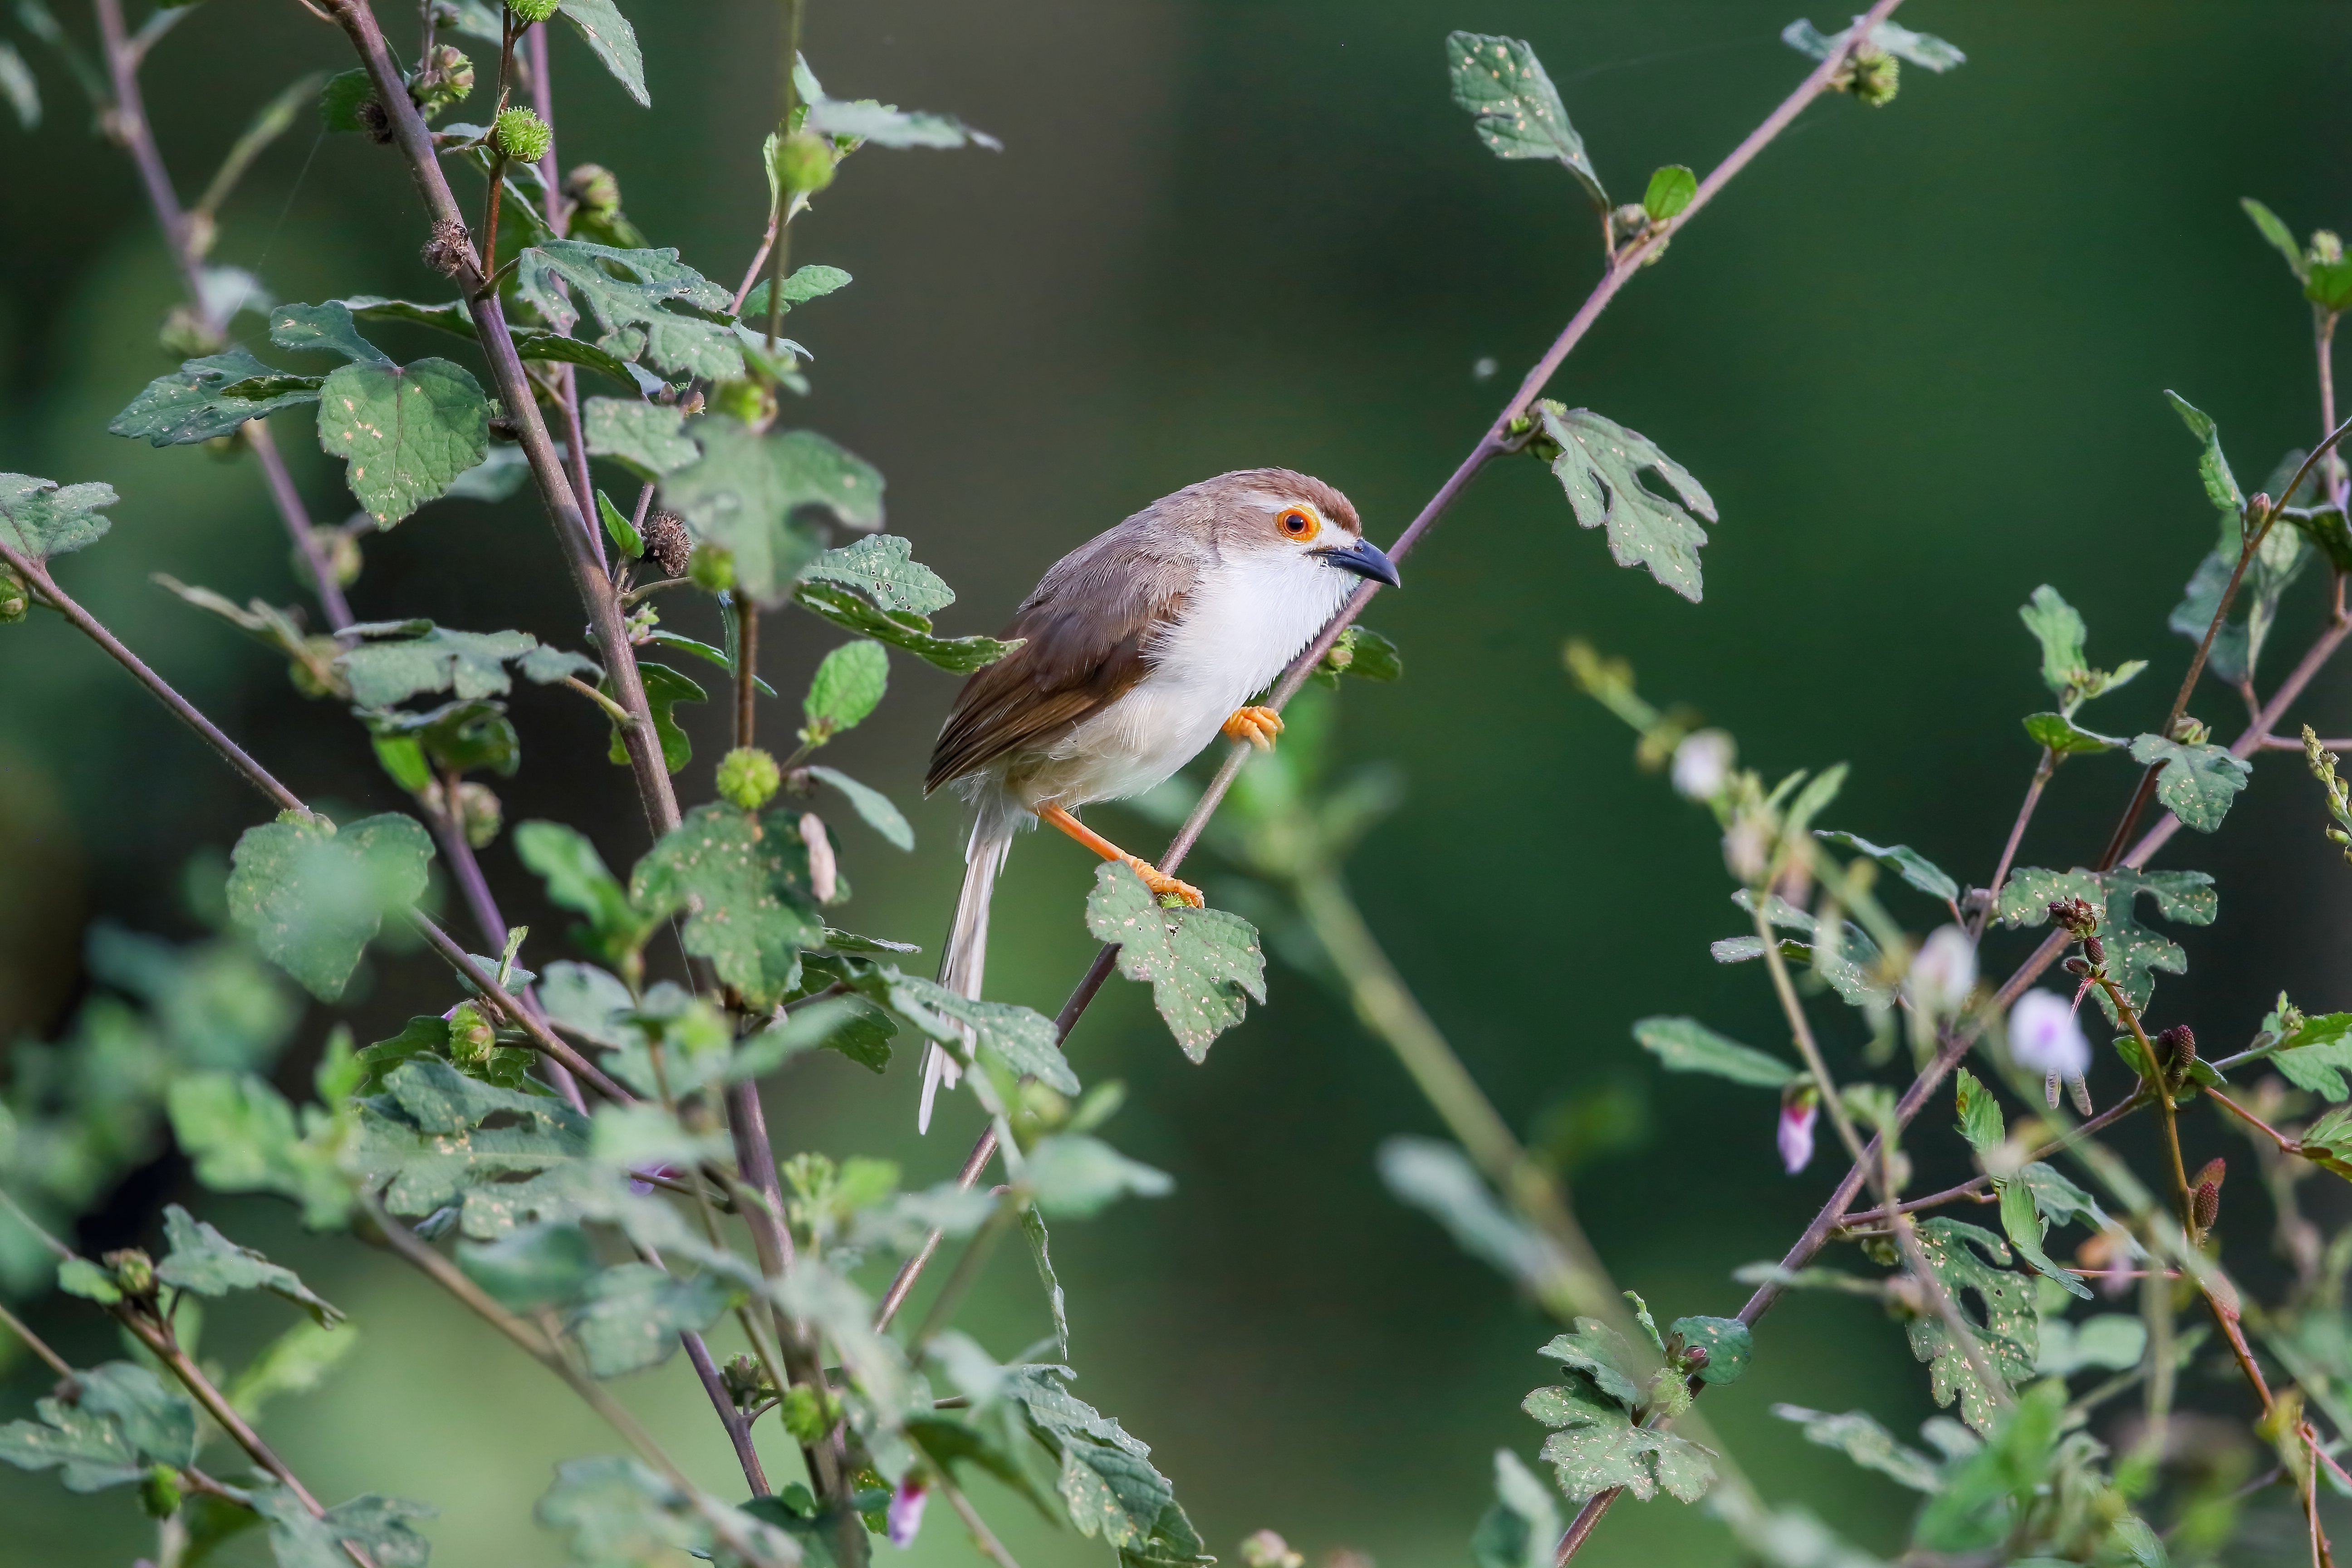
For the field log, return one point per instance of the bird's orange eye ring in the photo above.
(1297, 522)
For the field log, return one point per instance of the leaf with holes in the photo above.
(312, 897)
(204, 1260)
(195, 403)
(2135, 953)
(743, 884)
(400, 658)
(630, 1316)
(652, 307)
(2198, 781)
(1204, 965)
(1595, 1447)
(407, 431)
(882, 568)
(437, 1138)
(1516, 109)
(1964, 1260)
(1601, 465)
(648, 439)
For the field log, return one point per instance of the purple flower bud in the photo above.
(906, 1513)
(667, 1172)
(1796, 1131)
(2044, 1037)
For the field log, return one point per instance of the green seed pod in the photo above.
(134, 1271)
(748, 401)
(748, 777)
(804, 161)
(2327, 248)
(159, 1494)
(520, 134)
(594, 186)
(1876, 78)
(532, 10)
(449, 79)
(713, 567)
(15, 598)
(471, 1039)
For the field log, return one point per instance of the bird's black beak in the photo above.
(1365, 559)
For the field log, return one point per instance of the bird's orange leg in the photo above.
(1159, 881)
(1258, 726)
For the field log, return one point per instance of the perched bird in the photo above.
(1137, 649)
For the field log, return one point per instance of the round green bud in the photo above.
(594, 186)
(748, 401)
(712, 568)
(520, 134)
(1876, 77)
(446, 78)
(748, 777)
(471, 1039)
(15, 598)
(134, 1271)
(532, 10)
(159, 1492)
(2327, 247)
(804, 161)
(340, 553)
(480, 814)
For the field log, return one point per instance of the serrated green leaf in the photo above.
(2135, 953)
(1728, 1343)
(1041, 1252)
(122, 1417)
(610, 37)
(1201, 963)
(193, 403)
(1858, 1435)
(2021, 1222)
(312, 899)
(1106, 1481)
(651, 306)
(1980, 1119)
(665, 689)
(2198, 781)
(406, 431)
(882, 568)
(630, 1316)
(648, 438)
(1685, 1045)
(204, 1260)
(899, 629)
(242, 1136)
(743, 492)
(401, 660)
(2026, 897)
(806, 283)
(1903, 860)
(2066, 738)
(2212, 467)
(2058, 626)
(429, 1141)
(328, 328)
(1963, 1257)
(875, 808)
(1596, 1447)
(743, 884)
(1670, 191)
(2317, 1056)
(1601, 1354)
(2059, 1199)
(1599, 466)
(378, 1525)
(40, 518)
(1516, 109)
(848, 686)
(1022, 1037)
(577, 881)
(1073, 1176)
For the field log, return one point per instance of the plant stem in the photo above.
(1983, 1184)
(2160, 1091)
(37, 1345)
(2016, 836)
(966, 1272)
(739, 1429)
(982, 1536)
(747, 668)
(910, 1270)
(2287, 1145)
(780, 250)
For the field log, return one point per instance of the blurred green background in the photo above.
(1915, 353)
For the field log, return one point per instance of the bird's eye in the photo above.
(1297, 522)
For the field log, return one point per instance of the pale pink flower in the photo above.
(1796, 1131)
(1943, 974)
(1703, 765)
(2046, 1038)
(906, 1513)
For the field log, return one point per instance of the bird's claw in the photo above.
(1258, 726)
(1162, 885)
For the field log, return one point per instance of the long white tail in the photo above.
(964, 960)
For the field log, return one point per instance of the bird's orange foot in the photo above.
(1161, 884)
(1258, 726)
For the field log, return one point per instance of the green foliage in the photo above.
(1980, 1118)
(1923, 50)
(629, 1317)
(1520, 1530)
(312, 897)
(847, 687)
(1073, 1176)
(577, 881)
(1107, 1481)
(1670, 190)
(1515, 108)
(743, 884)
(38, 518)
(872, 807)
(648, 439)
(2066, 738)
(244, 1137)
(1597, 1442)
(299, 1360)
(120, 1419)
(1201, 963)
(806, 283)
(860, 120)
(2134, 953)
(208, 398)
(1362, 652)
(651, 307)
(665, 689)
(1020, 1037)
(619, 1513)
(1905, 862)
(2316, 1056)
(1600, 465)
(2198, 781)
(379, 1525)
(402, 659)
(899, 628)
(2066, 669)
(2022, 1223)
(1965, 1260)
(436, 1138)
(1858, 1435)
(1726, 1342)
(406, 431)
(204, 1260)
(1685, 1045)
(881, 567)
(742, 493)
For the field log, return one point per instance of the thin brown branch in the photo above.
(1980, 1189)
(2287, 1145)
(2049, 765)
(33, 1342)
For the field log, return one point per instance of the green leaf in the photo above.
(2026, 897)
(1685, 1045)
(407, 431)
(340, 99)
(631, 1316)
(39, 519)
(204, 1260)
(2021, 1220)
(1032, 1229)
(1021, 1038)
(806, 283)
(1728, 1343)
(2198, 783)
(297, 1362)
(90, 1441)
(2059, 1199)
(1858, 1435)
(577, 881)
(875, 808)
(2004, 1316)
(452, 317)
(708, 654)
(405, 657)
(193, 402)
(2212, 467)
(1521, 1529)
(619, 1513)
(744, 491)
(1362, 652)
(610, 37)
(1903, 860)
(1438, 1179)
(1516, 109)
(312, 897)
(157, 1420)
(651, 306)
(1980, 1118)
(899, 629)
(1106, 1481)
(618, 529)
(2059, 627)
(847, 687)
(463, 735)
(1201, 963)
(437, 1138)
(1074, 1176)
(2110, 1341)
(2280, 237)
(327, 327)
(1601, 463)
(2066, 738)
(743, 884)
(377, 1525)
(1596, 1447)
(2135, 953)
(1671, 190)
(241, 1134)
(1923, 50)
(2325, 527)
(881, 567)
(648, 438)
(665, 689)
(1601, 1354)
(886, 125)
(80, 1276)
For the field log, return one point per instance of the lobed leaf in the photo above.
(204, 1260)
(2198, 781)
(195, 403)
(1601, 465)
(899, 628)
(743, 884)
(881, 567)
(630, 1316)
(377, 1525)
(1515, 108)
(40, 518)
(401, 659)
(1963, 1258)
(1201, 963)
(312, 897)
(648, 438)
(406, 431)
(743, 492)
(651, 306)
(1107, 1481)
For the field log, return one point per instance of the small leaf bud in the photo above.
(1877, 76)
(2078, 966)
(748, 401)
(521, 135)
(471, 1039)
(2326, 248)
(804, 161)
(15, 598)
(338, 550)
(1264, 1549)
(2191, 731)
(666, 544)
(2094, 951)
(134, 1272)
(532, 11)
(745, 1381)
(713, 567)
(446, 78)
(748, 777)
(159, 1492)
(594, 187)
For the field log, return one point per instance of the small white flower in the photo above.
(1943, 974)
(1748, 847)
(2044, 1037)
(1703, 765)
(1796, 1131)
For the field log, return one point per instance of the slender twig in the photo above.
(2287, 1145)
(2016, 836)
(37, 1345)
(2294, 744)
(780, 252)
(982, 1536)
(2161, 1089)
(965, 1273)
(1979, 1190)
(747, 668)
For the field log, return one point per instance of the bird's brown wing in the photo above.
(1087, 635)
